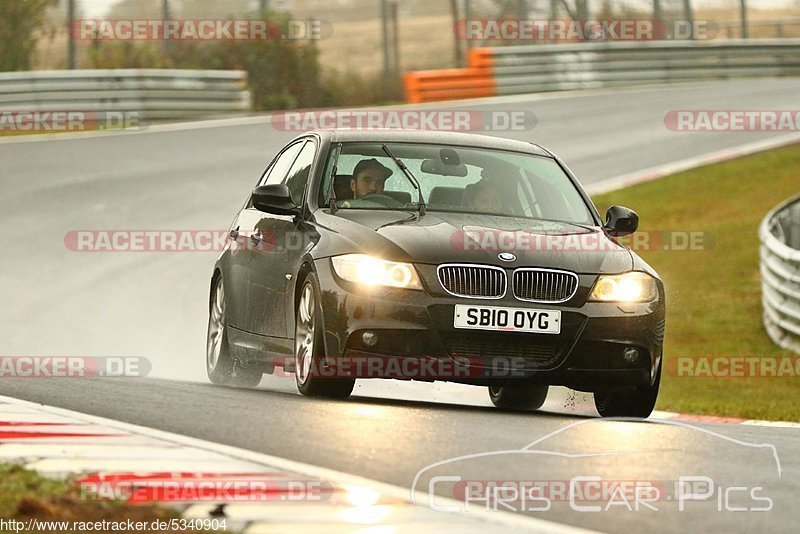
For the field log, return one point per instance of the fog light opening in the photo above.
(630, 355)
(369, 339)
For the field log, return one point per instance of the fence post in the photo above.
(165, 15)
(395, 38)
(743, 9)
(459, 53)
(687, 11)
(71, 34)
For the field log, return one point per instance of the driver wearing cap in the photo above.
(369, 178)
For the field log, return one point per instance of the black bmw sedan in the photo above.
(434, 256)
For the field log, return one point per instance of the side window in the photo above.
(298, 175)
(277, 172)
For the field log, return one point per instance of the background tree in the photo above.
(21, 24)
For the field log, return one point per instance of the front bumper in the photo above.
(413, 337)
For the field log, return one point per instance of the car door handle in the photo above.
(256, 238)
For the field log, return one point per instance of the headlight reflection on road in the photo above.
(620, 437)
(623, 432)
(363, 509)
(352, 421)
(360, 496)
(366, 411)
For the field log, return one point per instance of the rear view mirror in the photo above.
(621, 221)
(274, 198)
(433, 166)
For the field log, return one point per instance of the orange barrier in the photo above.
(482, 58)
(451, 84)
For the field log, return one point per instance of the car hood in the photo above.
(445, 237)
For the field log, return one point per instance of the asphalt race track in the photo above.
(154, 305)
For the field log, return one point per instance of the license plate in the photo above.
(507, 319)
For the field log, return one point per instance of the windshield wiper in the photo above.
(414, 217)
(407, 172)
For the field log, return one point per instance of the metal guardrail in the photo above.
(154, 94)
(508, 70)
(780, 273)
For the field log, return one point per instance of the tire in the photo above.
(221, 367)
(634, 403)
(518, 398)
(309, 347)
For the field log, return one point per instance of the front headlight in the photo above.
(371, 271)
(628, 287)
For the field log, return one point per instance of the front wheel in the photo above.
(309, 348)
(221, 367)
(633, 403)
(518, 398)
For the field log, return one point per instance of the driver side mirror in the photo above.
(274, 198)
(621, 221)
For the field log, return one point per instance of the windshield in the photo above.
(457, 179)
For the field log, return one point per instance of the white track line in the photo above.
(660, 171)
(721, 419)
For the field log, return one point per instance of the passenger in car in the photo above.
(482, 196)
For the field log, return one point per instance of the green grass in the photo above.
(713, 296)
(17, 484)
(26, 495)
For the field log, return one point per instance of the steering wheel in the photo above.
(384, 200)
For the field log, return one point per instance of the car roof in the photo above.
(430, 137)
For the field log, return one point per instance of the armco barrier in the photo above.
(780, 273)
(508, 70)
(152, 93)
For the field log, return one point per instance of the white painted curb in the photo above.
(140, 449)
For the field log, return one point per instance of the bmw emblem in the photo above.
(506, 256)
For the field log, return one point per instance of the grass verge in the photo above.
(26, 495)
(713, 295)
